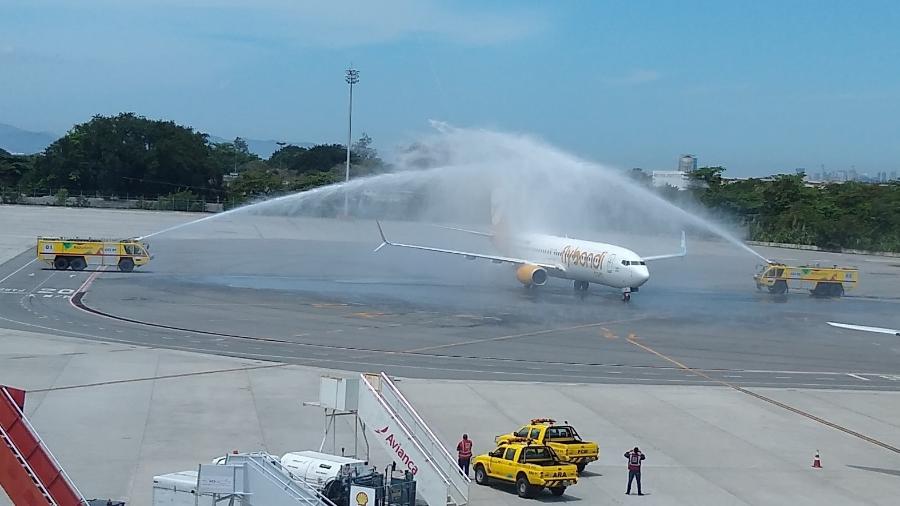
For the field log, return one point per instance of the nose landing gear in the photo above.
(626, 294)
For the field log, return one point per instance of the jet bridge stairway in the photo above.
(29, 473)
(402, 432)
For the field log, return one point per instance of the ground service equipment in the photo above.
(532, 467)
(64, 253)
(820, 281)
(564, 440)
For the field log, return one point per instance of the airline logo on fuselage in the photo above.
(575, 256)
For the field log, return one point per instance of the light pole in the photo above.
(352, 77)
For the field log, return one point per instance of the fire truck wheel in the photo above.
(60, 263)
(126, 265)
(78, 264)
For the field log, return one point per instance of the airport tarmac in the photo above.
(719, 363)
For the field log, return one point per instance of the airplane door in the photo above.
(611, 264)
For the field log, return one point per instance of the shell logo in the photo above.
(362, 499)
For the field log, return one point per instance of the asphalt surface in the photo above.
(332, 303)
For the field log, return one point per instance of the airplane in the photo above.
(543, 256)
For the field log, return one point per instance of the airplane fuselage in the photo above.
(578, 260)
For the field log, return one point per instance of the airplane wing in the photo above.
(879, 330)
(471, 256)
(473, 232)
(682, 253)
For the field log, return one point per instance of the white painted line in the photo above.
(13, 273)
(857, 376)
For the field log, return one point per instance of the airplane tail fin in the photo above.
(384, 241)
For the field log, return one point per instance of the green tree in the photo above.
(127, 154)
(240, 145)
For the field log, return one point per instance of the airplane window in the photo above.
(625, 262)
(643, 262)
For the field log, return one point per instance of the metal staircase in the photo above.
(402, 432)
(29, 473)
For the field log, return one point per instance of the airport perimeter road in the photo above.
(331, 303)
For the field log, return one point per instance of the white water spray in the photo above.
(449, 176)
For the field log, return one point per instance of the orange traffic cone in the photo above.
(817, 462)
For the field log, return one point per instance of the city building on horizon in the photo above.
(679, 178)
(687, 163)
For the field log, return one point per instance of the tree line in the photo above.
(787, 209)
(131, 155)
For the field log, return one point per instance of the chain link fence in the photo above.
(63, 197)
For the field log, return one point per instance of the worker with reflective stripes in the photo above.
(634, 468)
(464, 448)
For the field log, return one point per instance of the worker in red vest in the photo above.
(464, 448)
(634, 468)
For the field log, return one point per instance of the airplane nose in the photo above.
(639, 275)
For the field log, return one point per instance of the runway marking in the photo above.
(516, 336)
(366, 314)
(13, 273)
(768, 399)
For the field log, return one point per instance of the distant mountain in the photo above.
(262, 149)
(16, 140)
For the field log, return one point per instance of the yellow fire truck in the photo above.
(64, 253)
(820, 281)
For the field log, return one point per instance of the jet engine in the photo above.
(529, 274)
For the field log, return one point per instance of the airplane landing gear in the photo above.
(626, 294)
(581, 286)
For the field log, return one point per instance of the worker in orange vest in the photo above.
(635, 457)
(464, 448)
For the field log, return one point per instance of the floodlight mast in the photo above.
(352, 77)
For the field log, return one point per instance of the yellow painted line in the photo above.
(516, 336)
(367, 314)
(764, 398)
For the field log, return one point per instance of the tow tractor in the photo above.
(833, 281)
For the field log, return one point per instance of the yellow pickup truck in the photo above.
(532, 467)
(564, 440)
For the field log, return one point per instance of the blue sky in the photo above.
(759, 87)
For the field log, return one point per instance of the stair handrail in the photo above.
(24, 420)
(21, 458)
(431, 435)
(286, 482)
(392, 413)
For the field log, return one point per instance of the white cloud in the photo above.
(640, 76)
